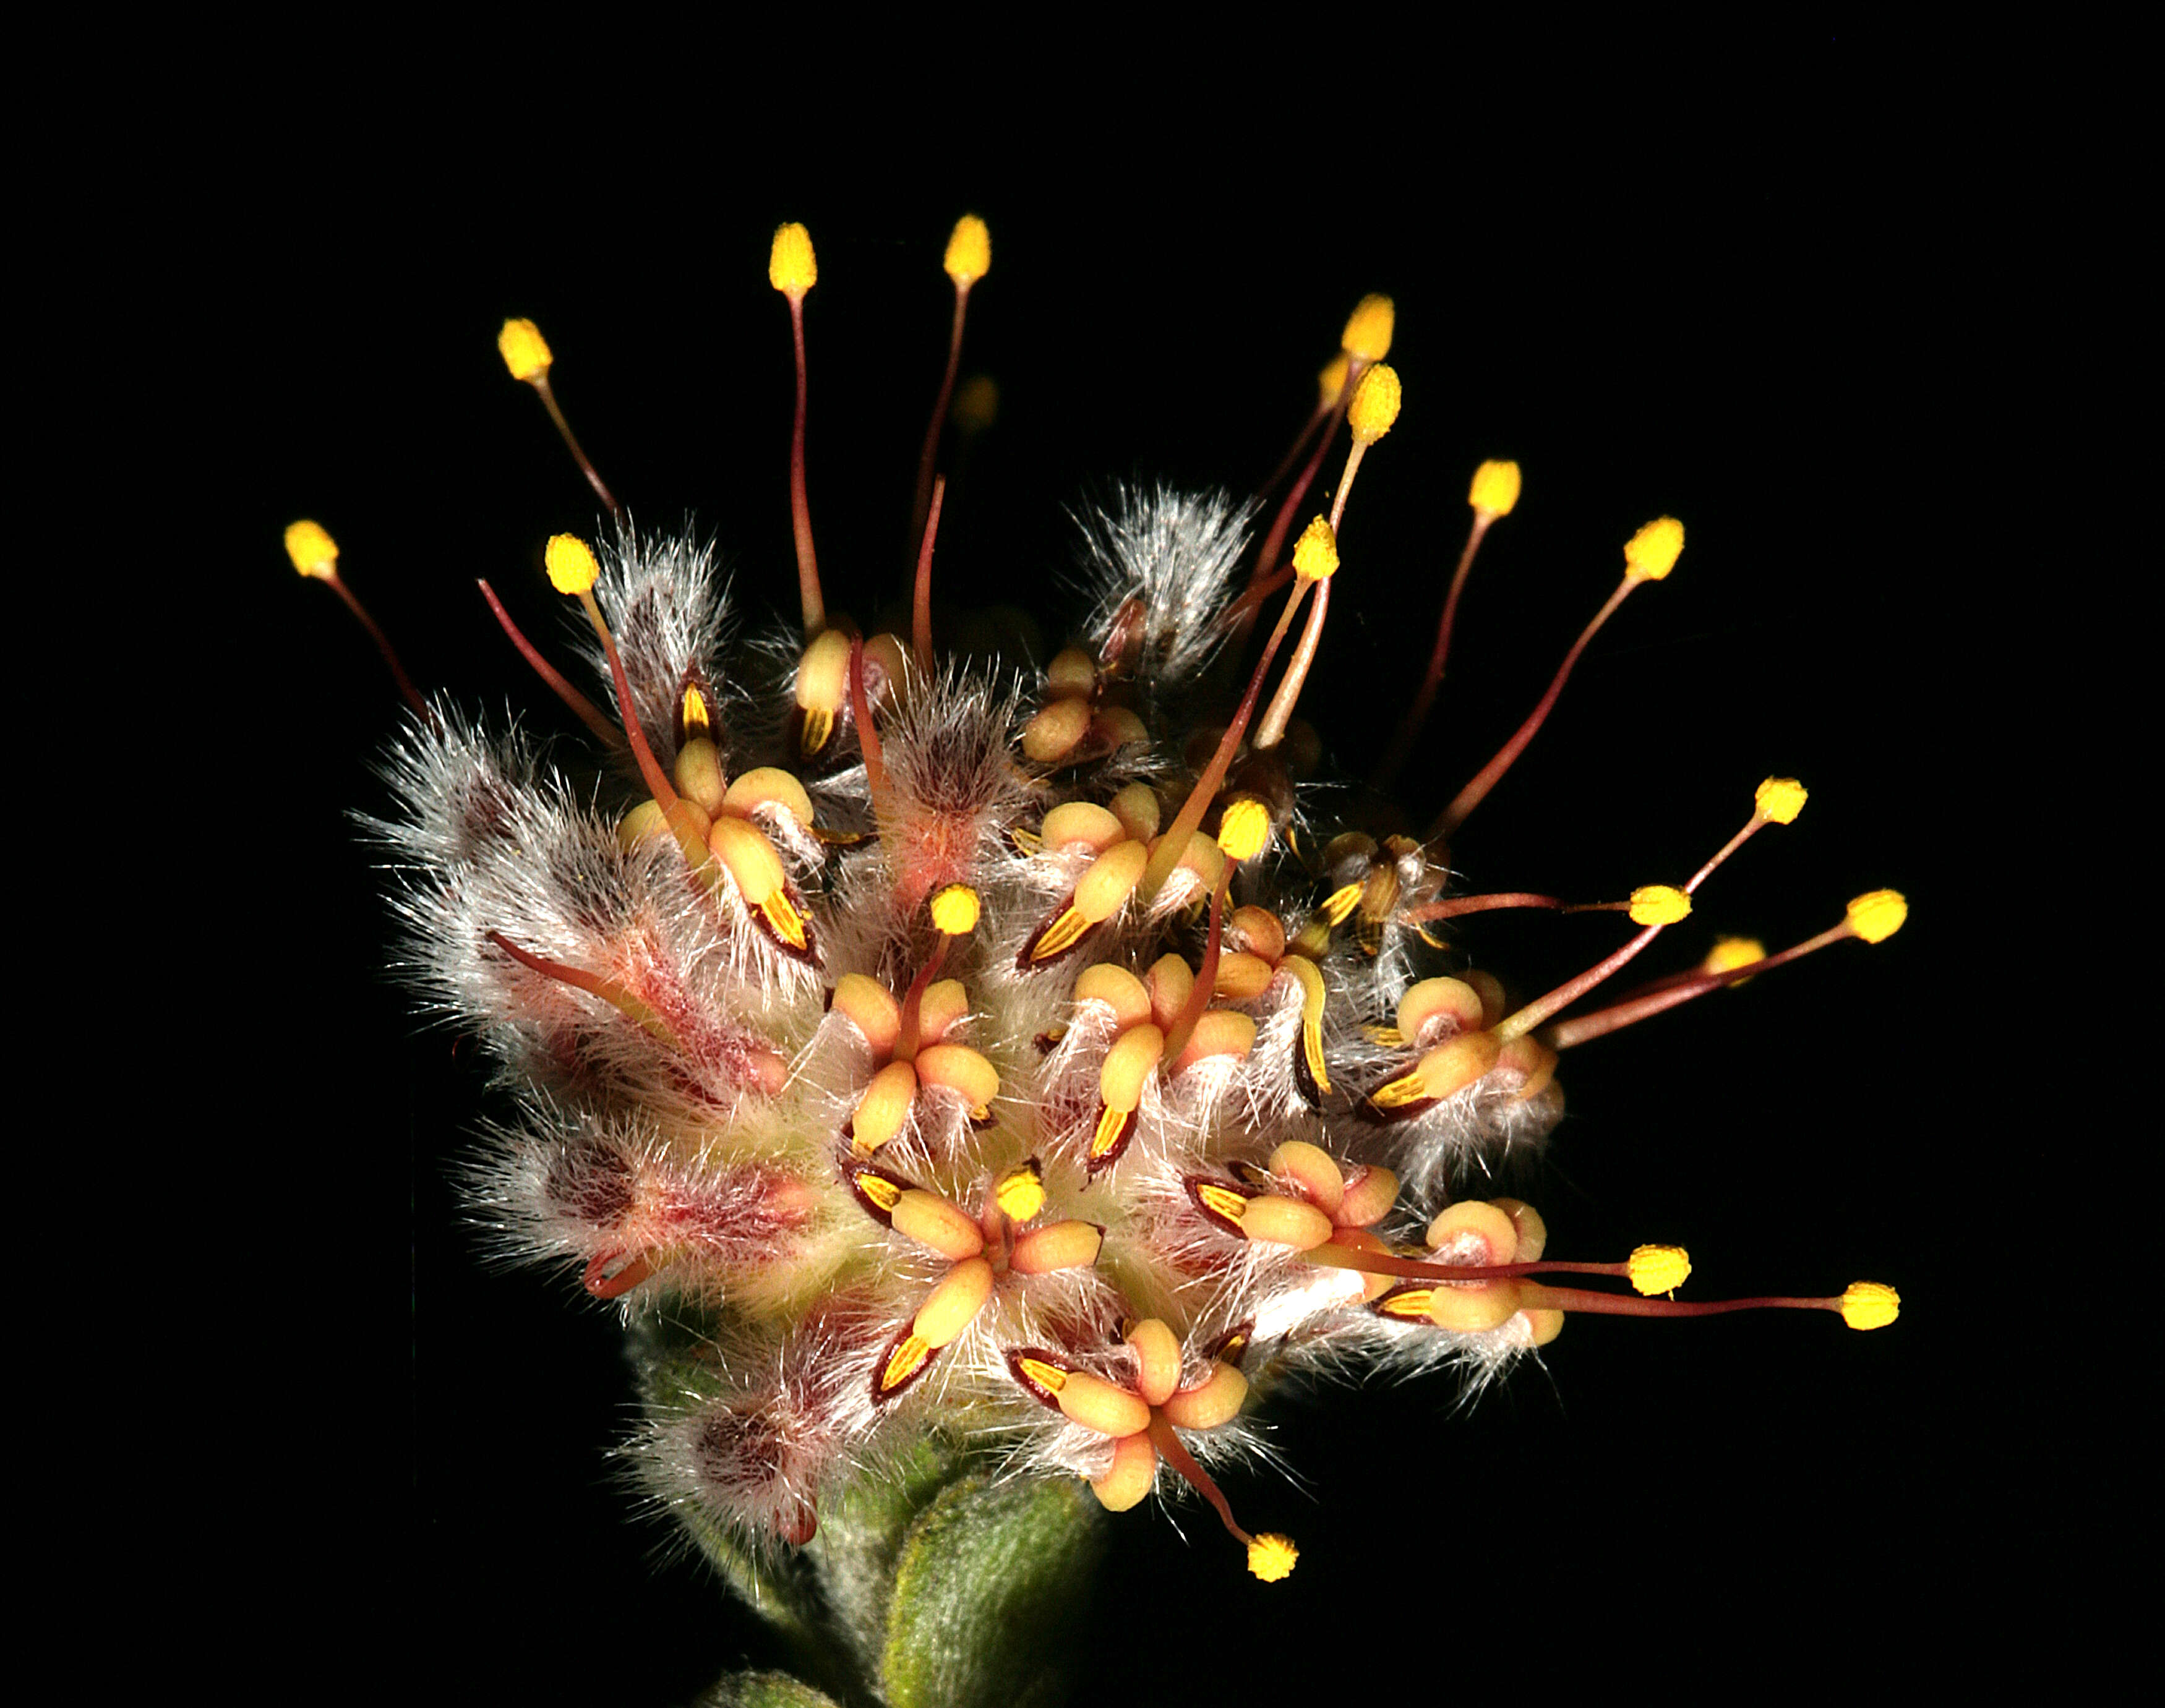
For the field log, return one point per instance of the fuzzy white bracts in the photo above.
(860, 1175)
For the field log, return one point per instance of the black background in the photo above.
(1754, 312)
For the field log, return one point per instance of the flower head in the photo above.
(896, 1062)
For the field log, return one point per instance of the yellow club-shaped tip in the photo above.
(1659, 904)
(571, 565)
(1653, 552)
(313, 551)
(1780, 800)
(1271, 1556)
(969, 250)
(1245, 828)
(1020, 1192)
(1870, 1304)
(1495, 488)
(1375, 403)
(955, 910)
(1368, 328)
(790, 267)
(1316, 552)
(524, 351)
(1878, 915)
(1730, 953)
(1658, 1269)
(1332, 379)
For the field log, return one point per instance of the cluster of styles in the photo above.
(1010, 1057)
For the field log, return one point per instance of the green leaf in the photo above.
(990, 1595)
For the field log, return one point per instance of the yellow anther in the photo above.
(1223, 1201)
(1658, 1269)
(1375, 403)
(1245, 828)
(1878, 915)
(882, 1191)
(1779, 799)
(969, 250)
(792, 268)
(1397, 1094)
(819, 725)
(1408, 1304)
(1109, 1136)
(1316, 552)
(1062, 935)
(1331, 380)
(1271, 1556)
(1495, 488)
(1730, 953)
(1444, 1072)
(955, 910)
(910, 1355)
(1870, 1304)
(1312, 993)
(692, 712)
(571, 563)
(1659, 904)
(1020, 1191)
(1368, 328)
(1653, 552)
(822, 684)
(784, 921)
(524, 351)
(313, 551)
(1339, 905)
(1049, 1377)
